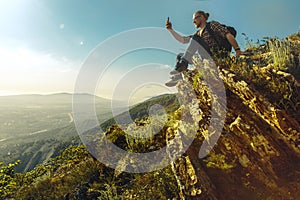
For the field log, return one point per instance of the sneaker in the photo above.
(171, 83)
(180, 67)
(174, 80)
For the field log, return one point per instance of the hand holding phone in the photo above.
(168, 24)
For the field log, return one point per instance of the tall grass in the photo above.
(281, 54)
(273, 69)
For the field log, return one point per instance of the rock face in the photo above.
(243, 120)
(257, 156)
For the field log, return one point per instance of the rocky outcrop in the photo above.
(257, 154)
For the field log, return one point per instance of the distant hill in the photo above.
(31, 114)
(54, 131)
(49, 99)
(35, 127)
(168, 101)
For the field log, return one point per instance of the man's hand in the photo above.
(240, 53)
(168, 25)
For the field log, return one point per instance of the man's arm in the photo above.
(234, 44)
(177, 36)
(180, 38)
(222, 31)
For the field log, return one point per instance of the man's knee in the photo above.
(201, 41)
(179, 56)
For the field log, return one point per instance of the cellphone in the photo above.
(168, 20)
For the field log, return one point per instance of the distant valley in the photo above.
(33, 128)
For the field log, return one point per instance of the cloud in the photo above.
(26, 71)
(165, 67)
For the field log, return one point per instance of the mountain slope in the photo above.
(257, 155)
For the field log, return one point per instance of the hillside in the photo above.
(50, 115)
(256, 156)
(141, 110)
(34, 128)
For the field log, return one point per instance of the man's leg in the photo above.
(196, 44)
(182, 60)
(176, 76)
(174, 80)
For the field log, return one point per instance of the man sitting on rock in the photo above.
(203, 38)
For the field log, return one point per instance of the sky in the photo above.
(45, 44)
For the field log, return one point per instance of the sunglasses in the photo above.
(196, 17)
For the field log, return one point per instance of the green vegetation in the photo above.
(281, 54)
(8, 179)
(273, 70)
(141, 111)
(76, 175)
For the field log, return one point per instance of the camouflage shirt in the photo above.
(217, 28)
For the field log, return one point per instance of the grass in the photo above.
(281, 54)
(272, 69)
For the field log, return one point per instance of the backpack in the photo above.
(221, 41)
